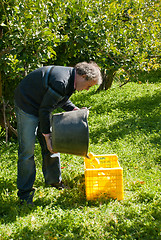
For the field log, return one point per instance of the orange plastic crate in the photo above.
(103, 177)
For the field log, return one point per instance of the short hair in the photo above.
(91, 70)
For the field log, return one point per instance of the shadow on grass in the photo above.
(10, 206)
(146, 118)
(154, 76)
(72, 198)
(67, 199)
(69, 225)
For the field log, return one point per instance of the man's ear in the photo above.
(85, 77)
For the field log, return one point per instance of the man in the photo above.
(37, 95)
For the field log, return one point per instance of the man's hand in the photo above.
(48, 140)
(76, 108)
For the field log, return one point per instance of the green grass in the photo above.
(125, 121)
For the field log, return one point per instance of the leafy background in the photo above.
(123, 37)
(115, 34)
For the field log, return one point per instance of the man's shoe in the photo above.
(59, 186)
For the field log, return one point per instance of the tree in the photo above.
(30, 33)
(117, 34)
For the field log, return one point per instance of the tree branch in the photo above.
(124, 83)
(4, 117)
(4, 51)
(0, 85)
(11, 128)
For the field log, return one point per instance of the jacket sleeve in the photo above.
(48, 104)
(68, 106)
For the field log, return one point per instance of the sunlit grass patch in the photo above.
(125, 121)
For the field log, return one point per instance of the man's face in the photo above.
(83, 84)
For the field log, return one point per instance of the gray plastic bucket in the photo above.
(70, 132)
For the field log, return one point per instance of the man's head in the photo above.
(87, 75)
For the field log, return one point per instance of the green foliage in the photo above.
(113, 33)
(31, 33)
(125, 121)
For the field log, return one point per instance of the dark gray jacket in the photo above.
(44, 90)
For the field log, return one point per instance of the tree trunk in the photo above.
(107, 79)
(5, 123)
(0, 86)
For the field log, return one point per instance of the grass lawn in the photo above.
(125, 121)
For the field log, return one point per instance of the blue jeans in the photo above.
(28, 128)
